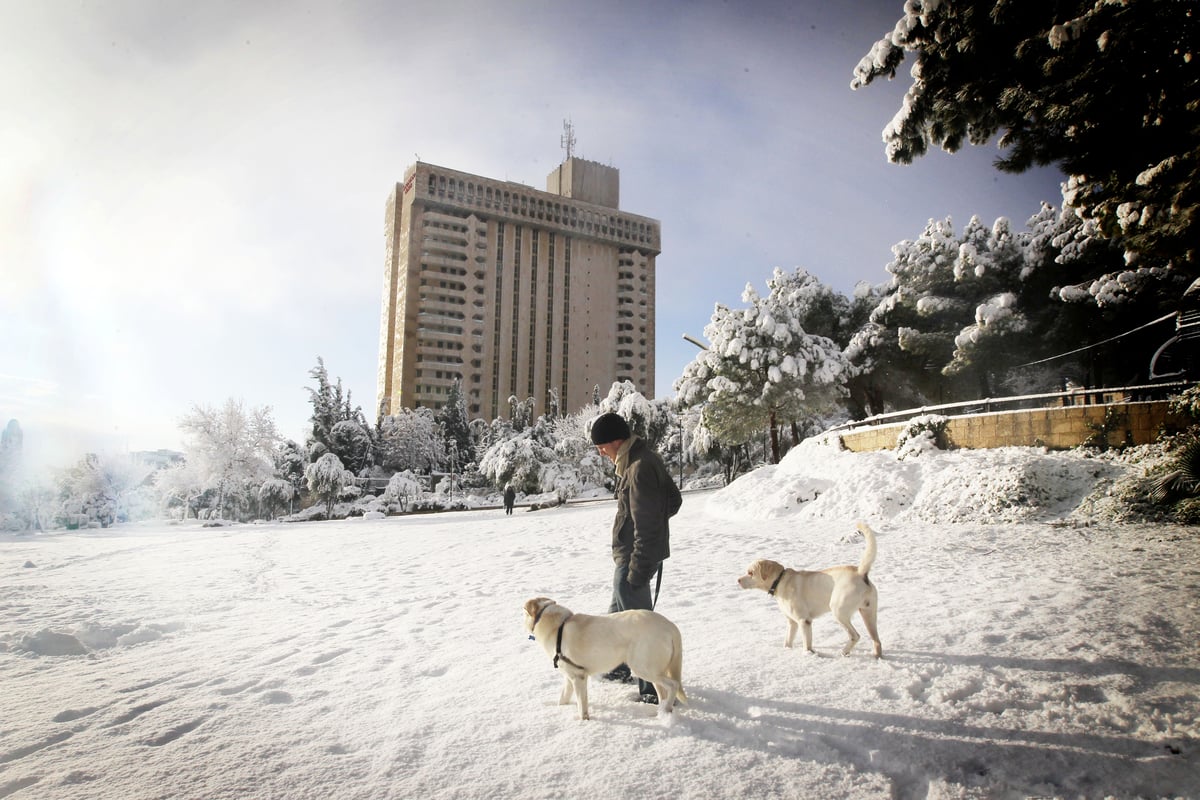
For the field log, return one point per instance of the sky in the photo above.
(192, 195)
(1031, 648)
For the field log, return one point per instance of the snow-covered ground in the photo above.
(1032, 655)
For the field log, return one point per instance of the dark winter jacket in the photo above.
(646, 499)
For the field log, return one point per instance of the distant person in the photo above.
(647, 498)
(510, 497)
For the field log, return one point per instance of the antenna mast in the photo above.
(567, 140)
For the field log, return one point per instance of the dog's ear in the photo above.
(532, 607)
(768, 570)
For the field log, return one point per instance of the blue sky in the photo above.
(192, 194)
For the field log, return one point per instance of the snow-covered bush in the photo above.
(1187, 403)
(95, 492)
(920, 434)
(326, 478)
(275, 495)
(402, 489)
(518, 461)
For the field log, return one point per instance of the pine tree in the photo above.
(1108, 91)
(762, 368)
(353, 443)
(456, 428)
(953, 309)
(410, 440)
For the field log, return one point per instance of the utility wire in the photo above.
(1097, 344)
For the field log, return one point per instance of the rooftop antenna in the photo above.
(567, 140)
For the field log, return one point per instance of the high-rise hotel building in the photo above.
(515, 291)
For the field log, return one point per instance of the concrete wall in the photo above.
(588, 181)
(1057, 428)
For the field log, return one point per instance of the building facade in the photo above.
(514, 291)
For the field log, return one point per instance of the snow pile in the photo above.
(818, 481)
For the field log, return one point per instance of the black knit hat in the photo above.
(609, 428)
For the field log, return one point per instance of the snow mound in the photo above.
(87, 638)
(819, 481)
(49, 643)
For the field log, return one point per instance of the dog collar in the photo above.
(536, 619)
(774, 585)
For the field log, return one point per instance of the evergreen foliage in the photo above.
(1109, 91)
(331, 406)
(412, 440)
(455, 427)
(763, 369)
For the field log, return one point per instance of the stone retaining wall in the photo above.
(1059, 428)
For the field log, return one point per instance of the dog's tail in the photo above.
(675, 668)
(868, 556)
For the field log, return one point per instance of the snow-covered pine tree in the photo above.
(452, 418)
(1108, 91)
(987, 272)
(332, 406)
(649, 419)
(518, 460)
(762, 368)
(352, 442)
(411, 439)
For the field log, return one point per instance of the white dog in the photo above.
(803, 595)
(583, 645)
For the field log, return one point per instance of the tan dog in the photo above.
(803, 595)
(583, 645)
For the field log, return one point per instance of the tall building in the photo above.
(515, 291)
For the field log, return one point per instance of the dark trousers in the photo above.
(626, 597)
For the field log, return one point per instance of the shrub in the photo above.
(926, 432)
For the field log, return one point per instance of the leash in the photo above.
(657, 586)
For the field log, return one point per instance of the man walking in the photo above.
(647, 498)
